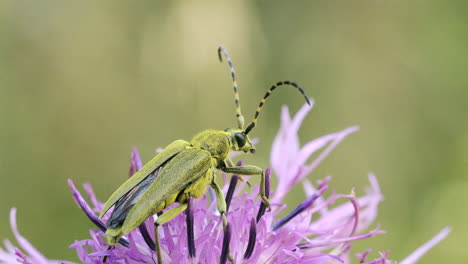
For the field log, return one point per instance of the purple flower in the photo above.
(321, 229)
(12, 254)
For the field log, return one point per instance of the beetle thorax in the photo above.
(216, 142)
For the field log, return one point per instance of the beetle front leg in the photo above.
(251, 170)
(230, 164)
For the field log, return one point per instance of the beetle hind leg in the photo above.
(104, 259)
(162, 219)
(113, 236)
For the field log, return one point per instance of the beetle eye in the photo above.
(240, 138)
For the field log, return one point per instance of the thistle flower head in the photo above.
(321, 229)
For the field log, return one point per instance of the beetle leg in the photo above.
(263, 192)
(251, 170)
(104, 259)
(230, 164)
(162, 219)
(242, 179)
(158, 243)
(170, 214)
(220, 202)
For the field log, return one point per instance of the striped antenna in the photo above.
(240, 118)
(259, 108)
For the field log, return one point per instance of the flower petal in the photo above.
(85, 207)
(418, 253)
(24, 243)
(286, 144)
(338, 137)
(288, 160)
(89, 191)
(368, 207)
(135, 162)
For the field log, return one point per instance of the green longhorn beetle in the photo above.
(183, 170)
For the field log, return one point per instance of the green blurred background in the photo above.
(82, 82)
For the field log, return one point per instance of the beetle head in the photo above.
(240, 141)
